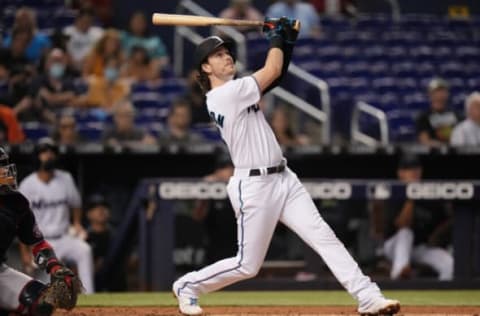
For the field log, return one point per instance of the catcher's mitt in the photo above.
(64, 288)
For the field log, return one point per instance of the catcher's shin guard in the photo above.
(33, 300)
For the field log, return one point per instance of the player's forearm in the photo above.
(271, 70)
(77, 216)
(405, 218)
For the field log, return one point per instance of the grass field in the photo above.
(296, 298)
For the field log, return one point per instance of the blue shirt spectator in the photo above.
(304, 12)
(39, 43)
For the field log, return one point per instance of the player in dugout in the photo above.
(263, 190)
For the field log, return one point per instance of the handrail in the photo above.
(188, 33)
(359, 136)
(300, 104)
(322, 87)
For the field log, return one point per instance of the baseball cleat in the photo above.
(187, 305)
(381, 306)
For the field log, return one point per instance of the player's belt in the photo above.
(270, 170)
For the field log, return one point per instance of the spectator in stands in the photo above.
(242, 10)
(138, 66)
(39, 43)
(414, 231)
(178, 123)
(106, 90)
(107, 48)
(66, 133)
(53, 90)
(194, 96)
(335, 7)
(82, 36)
(280, 123)
(138, 35)
(467, 132)
(124, 131)
(11, 131)
(435, 126)
(16, 72)
(297, 9)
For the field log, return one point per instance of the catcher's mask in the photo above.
(8, 172)
(208, 46)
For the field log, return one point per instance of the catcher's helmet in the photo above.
(207, 46)
(8, 172)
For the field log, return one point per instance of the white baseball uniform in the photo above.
(261, 201)
(51, 203)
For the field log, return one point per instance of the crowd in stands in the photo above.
(85, 67)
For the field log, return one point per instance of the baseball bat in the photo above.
(195, 20)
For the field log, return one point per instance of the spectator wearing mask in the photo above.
(434, 127)
(107, 48)
(54, 90)
(299, 10)
(38, 43)
(82, 36)
(106, 90)
(124, 131)
(467, 132)
(178, 126)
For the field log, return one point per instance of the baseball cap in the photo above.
(208, 46)
(46, 143)
(95, 200)
(409, 161)
(437, 83)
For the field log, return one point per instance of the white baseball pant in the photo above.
(12, 283)
(400, 251)
(259, 203)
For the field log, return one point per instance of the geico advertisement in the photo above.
(339, 190)
(440, 190)
(216, 190)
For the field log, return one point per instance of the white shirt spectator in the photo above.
(81, 43)
(467, 133)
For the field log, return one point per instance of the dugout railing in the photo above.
(151, 209)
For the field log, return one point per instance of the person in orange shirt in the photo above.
(13, 132)
(108, 47)
(104, 91)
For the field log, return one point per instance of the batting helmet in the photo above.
(8, 172)
(208, 46)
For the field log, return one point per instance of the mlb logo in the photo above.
(379, 191)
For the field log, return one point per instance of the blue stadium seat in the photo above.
(35, 130)
(208, 132)
(91, 131)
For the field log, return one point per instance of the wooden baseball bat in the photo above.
(195, 20)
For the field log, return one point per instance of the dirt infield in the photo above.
(259, 311)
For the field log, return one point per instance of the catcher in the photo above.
(20, 294)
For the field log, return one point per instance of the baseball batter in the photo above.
(263, 190)
(52, 194)
(19, 293)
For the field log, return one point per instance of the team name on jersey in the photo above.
(218, 118)
(42, 204)
(254, 108)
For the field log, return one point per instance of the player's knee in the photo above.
(406, 234)
(32, 299)
(249, 271)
